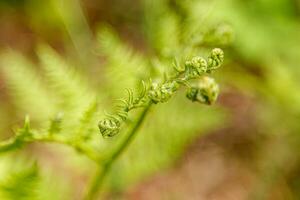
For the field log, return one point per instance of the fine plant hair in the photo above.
(67, 109)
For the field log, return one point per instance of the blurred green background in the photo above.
(244, 147)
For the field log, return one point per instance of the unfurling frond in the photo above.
(196, 66)
(215, 59)
(206, 92)
(162, 93)
(110, 126)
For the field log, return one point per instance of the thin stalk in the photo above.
(106, 165)
(16, 142)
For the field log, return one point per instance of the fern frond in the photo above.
(124, 67)
(72, 89)
(28, 91)
(73, 93)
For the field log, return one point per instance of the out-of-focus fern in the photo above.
(26, 88)
(74, 92)
(63, 91)
(20, 179)
(20, 185)
(124, 66)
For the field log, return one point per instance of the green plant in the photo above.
(152, 93)
(65, 108)
(207, 92)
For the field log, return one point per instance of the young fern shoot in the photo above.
(206, 91)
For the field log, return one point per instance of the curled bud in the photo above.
(206, 91)
(197, 66)
(215, 59)
(192, 94)
(154, 93)
(109, 127)
(162, 93)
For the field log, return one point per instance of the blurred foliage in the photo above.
(20, 185)
(262, 62)
(56, 93)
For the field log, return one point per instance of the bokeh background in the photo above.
(246, 146)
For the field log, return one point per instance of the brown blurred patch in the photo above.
(205, 174)
(15, 32)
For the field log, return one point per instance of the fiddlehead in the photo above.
(215, 59)
(160, 93)
(111, 125)
(205, 92)
(196, 66)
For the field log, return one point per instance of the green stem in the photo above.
(17, 142)
(106, 165)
